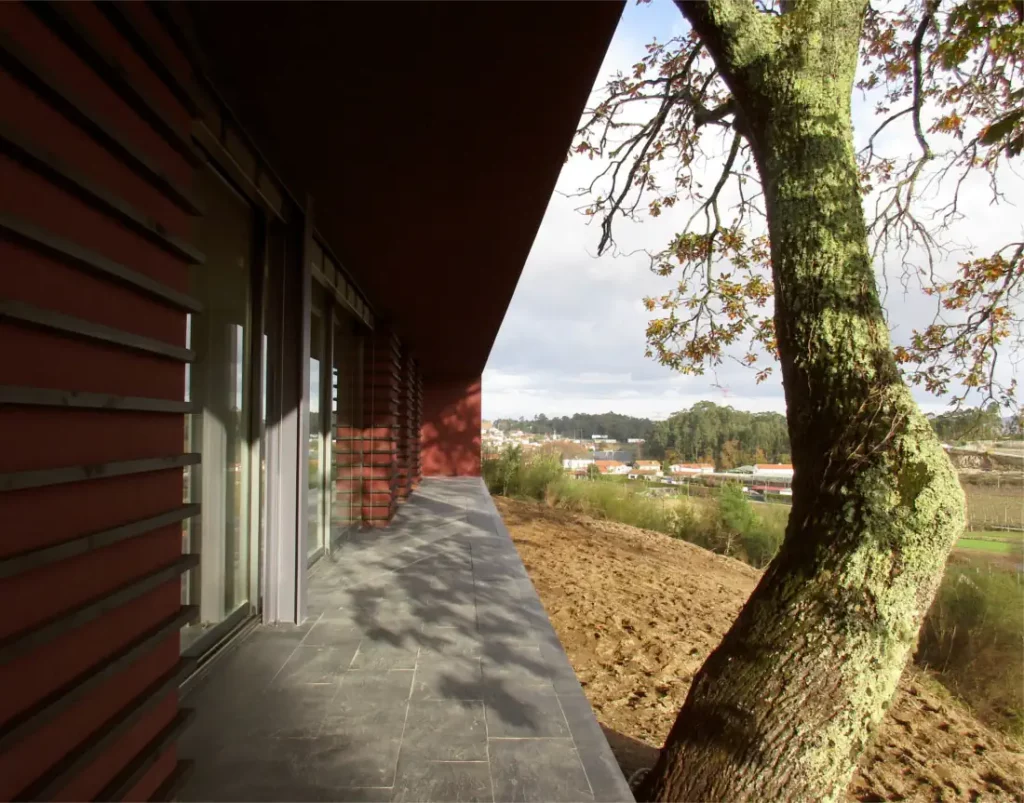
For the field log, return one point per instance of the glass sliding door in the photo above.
(219, 383)
(346, 403)
(317, 422)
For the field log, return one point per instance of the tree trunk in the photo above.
(782, 709)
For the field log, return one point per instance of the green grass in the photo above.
(980, 545)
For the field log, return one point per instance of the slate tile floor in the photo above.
(427, 671)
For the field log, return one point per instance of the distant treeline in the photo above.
(975, 424)
(582, 425)
(713, 433)
(707, 432)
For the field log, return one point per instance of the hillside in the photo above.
(638, 612)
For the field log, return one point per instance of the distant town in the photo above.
(602, 455)
(709, 444)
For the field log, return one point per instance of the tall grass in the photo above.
(973, 638)
(727, 524)
(519, 475)
(613, 501)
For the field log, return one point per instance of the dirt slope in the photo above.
(638, 612)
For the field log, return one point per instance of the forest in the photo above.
(712, 433)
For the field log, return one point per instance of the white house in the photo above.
(692, 468)
(576, 463)
(648, 467)
(612, 467)
(777, 470)
(635, 440)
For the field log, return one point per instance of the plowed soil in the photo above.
(638, 612)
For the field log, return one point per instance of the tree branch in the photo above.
(915, 46)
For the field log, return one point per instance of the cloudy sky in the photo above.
(573, 337)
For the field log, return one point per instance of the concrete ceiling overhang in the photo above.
(429, 135)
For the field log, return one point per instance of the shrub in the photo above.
(536, 474)
(516, 474)
(761, 543)
(973, 638)
(737, 530)
(735, 510)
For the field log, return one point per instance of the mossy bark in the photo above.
(784, 706)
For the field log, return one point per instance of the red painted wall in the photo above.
(450, 433)
(37, 438)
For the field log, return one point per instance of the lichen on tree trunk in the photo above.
(784, 706)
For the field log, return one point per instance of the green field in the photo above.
(977, 545)
(998, 542)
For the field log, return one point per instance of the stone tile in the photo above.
(331, 634)
(523, 712)
(315, 665)
(368, 704)
(446, 678)
(264, 781)
(342, 762)
(508, 623)
(520, 662)
(434, 613)
(443, 587)
(538, 771)
(450, 642)
(445, 730)
(606, 779)
(245, 668)
(378, 612)
(385, 651)
(363, 794)
(293, 713)
(442, 782)
(250, 731)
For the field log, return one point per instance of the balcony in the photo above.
(426, 671)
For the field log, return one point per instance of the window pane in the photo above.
(347, 373)
(316, 478)
(217, 382)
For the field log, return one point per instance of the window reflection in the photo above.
(316, 477)
(346, 373)
(219, 429)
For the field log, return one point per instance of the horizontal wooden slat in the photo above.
(33, 559)
(83, 755)
(150, 53)
(125, 780)
(20, 480)
(79, 327)
(59, 20)
(74, 254)
(26, 640)
(80, 400)
(62, 98)
(247, 183)
(53, 169)
(74, 690)
(340, 298)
